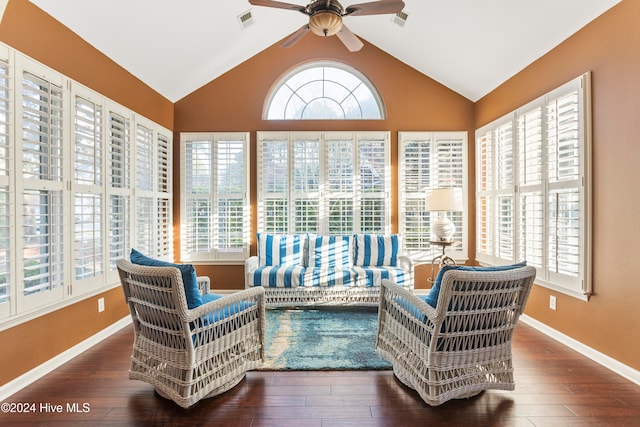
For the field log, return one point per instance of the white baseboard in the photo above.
(601, 358)
(38, 372)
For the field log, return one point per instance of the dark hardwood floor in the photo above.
(555, 386)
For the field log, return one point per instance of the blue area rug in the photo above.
(322, 338)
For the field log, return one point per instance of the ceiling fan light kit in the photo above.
(325, 23)
(325, 18)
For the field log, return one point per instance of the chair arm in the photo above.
(204, 284)
(250, 266)
(404, 301)
(230, 313)
(405, 263)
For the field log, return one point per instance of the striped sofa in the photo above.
(310, 269)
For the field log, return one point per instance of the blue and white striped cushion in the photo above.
(328, 277)
(280, 249)
(377, 250)
(278, 276)
(372, 276)
(330, 251)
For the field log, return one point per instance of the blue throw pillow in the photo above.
(189, 279)
(432, 297)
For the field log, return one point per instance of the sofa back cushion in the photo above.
(376, 250)
(280, 249)
(330, 251)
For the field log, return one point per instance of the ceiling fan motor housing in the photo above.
(325, 17)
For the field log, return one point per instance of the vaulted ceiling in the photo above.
(470, 46)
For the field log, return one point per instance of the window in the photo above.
(66, 180)
(430, 160)
(324, 90)
(323, 182)
(532, 188)
(214, 196)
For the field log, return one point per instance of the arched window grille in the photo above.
(324, 91)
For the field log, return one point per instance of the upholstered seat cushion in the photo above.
(372, 276)
(328, 277)
(278, 276)
(188, 272)
(432, 297)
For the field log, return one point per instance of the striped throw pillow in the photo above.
(330, 251)
(280, 249)
(377, 250)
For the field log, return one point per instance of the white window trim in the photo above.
(428, 252)
(215, 255)
(580, 287)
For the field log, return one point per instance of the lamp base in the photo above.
(443, 229)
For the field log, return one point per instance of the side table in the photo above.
(443, 258)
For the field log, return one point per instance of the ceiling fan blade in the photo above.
(293, 38)
(350, 40)
(279, 5)
(375, 8)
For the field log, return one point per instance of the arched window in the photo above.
(324, 91)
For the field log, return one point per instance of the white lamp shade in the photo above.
(444, 199)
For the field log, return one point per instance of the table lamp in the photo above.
(443, 200)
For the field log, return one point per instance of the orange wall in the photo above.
(610, 48)
(28, 29)
(234, 102)
(34, 33)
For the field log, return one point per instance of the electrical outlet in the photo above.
(552, 302)
(100, 305)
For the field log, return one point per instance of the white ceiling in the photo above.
(470, 46)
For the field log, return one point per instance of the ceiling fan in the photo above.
(325, 18)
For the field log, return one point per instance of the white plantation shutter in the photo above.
(308, 207)
(153, 192)
(543, 218)
(215, 196)
(530, 185)
(450, 171)
(414, 178)
(7, 255)
(164, 230)
(430, 160)
(485, 192)
(340, 193)
(119, 186)
(41, 163)
(232, 226)
(273, 186)
(88, 189)
(374, 184)
(336, 182)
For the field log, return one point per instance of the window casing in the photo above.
(65, 189)
(324, 182)
(214, 197)
(429, 160)
(533, 197)
(324, 90)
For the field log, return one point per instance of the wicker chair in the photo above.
(464, 345)
(188, 355)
